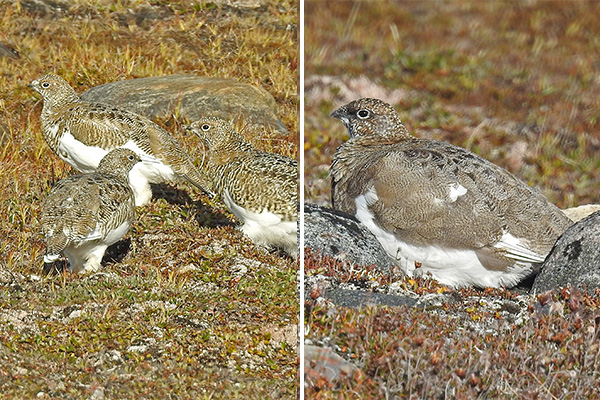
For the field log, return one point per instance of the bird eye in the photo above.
(131, 157)
(362, 114)
(205, 127)
(45, 85)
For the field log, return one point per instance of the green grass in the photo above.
(185, 306)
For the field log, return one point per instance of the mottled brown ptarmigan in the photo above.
(258, 187)
(438, 208)
(86, 213)
(81, 133)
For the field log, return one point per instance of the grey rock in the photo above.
(357, 299)
(324, 363)
(42, 8)
(191, 97)
(7, 51)
(339, 235)
(241, 4)
(438, 300)
(574, 259)
(98, 394)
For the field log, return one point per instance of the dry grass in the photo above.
(187, 307)
(516, 83)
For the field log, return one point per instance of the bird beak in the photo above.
(34, 87)
(189, 129)
(200, 136)
(341, 114)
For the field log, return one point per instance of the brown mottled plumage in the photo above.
(436, 207)
(86, 213)
(260, 188)
(81, 133)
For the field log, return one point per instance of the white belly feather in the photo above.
(453, 267)
(80, 156)
(86, 158)
(264, 228)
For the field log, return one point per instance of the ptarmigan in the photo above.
(86, 213)
(259, 188)
(81, 133)
(438, 208)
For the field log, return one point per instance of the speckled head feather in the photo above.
(54, 89)
(258, 187)
(371, 117)
(218, 134)
(118, 163)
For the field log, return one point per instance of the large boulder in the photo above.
(339, 235)
(191, 97)
(574, 259)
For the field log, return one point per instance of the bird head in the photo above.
(215, 132)
(370, 117)
(119, 161)
(53, 89)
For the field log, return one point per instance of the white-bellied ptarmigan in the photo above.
(259, 188)
(81, 133)
(438, 208)
(86, 213)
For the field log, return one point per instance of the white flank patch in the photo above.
(456, 190)
(364, 215)
(116, 234)
(452, 267)
(94, 258)
(80, 156)
(150, 170)
(86, 256)
(79, 255)
(86, 158)
(153, 168)
(264, 228)
(50, 258)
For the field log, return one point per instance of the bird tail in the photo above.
(50, 258)
(177, 158)
(55, 244)
(194, 176)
